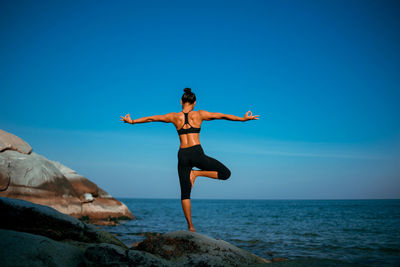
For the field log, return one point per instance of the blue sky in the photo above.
(322, 75)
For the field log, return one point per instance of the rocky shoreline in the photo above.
(37, 235)
(46, 208)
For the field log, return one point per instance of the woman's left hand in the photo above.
(127, 119)
(249, 116)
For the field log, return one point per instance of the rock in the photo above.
(24, 249)
(88, 197)
(142, 258)
(103, 211)
(106, 254)
(36, 179)
(186, 248)
(24, 216)
(103, 206)
(12, 142)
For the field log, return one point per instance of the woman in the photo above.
(190, 153)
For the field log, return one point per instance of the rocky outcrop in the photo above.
(24, 216)
(34, 178)
(36, 235)
(12, 142)
(184, 248)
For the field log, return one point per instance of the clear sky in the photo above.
(324, 76)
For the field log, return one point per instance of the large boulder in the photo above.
(24, 216)
(184, 248)
(34, 178)
(12, 142)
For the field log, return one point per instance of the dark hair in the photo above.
(188, 96)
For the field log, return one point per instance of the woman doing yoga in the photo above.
(191, 154)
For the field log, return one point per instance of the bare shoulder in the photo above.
(173, 115)
(203, 113)
(206, 115)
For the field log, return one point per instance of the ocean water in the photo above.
(350, 231)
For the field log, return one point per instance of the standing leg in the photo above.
(184, 170)
(186, 206)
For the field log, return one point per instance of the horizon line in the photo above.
(148, 198)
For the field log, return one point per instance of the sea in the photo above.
(347, 232)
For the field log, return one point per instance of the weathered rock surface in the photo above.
(24, 216)
(13, 142)
(184, 248)
(106, 254)
(142, 258)
(34, 178)
(24, 249)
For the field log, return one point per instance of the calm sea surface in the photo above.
(352, 231)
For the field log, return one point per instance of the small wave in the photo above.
(382, 249)
(316, 262)
(253, 241)
(357, 230)
(310, 234)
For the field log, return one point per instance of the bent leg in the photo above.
(212, 168)
(210, 174)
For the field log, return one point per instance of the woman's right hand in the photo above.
(250, 117)
(127, 119)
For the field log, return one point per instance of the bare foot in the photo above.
(191, 229)
(192, 177)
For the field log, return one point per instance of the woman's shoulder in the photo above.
(202, 113)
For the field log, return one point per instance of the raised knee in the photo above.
(224, 175)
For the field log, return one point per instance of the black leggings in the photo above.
(194, 156)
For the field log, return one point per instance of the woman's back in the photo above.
(188, 126)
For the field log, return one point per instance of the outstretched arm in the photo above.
(162, 118)
(220, 116)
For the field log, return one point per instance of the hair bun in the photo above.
(187, 90)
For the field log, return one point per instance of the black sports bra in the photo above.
(188, 130)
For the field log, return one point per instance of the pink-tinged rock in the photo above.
(102, 211)
(39, 180)
(13, 142)
(101, 207)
